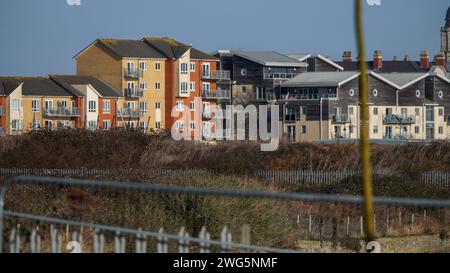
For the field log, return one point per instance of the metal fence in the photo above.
(436, 179)
(184, 241)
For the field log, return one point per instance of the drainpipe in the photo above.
(320, 121)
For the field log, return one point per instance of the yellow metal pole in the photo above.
(364, 144)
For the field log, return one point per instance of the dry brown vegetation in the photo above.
(272, 223)
(133, 149)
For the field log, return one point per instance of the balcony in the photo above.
(207, 114)
(341, 119)
(217, 94)
(399, 119)
(133, 73)
(279, 76)
(290, 118)
(62, 112)
(134, 93)
(2, 111)
(216, 75)
(129, 113)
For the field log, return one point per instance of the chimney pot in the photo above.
(347, 56)
(377, 60)
(424, 59)
(440, 59)
(407, 58)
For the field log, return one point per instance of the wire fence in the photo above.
(436, 179)
(161, 241)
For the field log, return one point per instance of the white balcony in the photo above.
(216, 75)
(62, 112)
(134, 93)
(129, 113)
(216, 94)
(133, 73)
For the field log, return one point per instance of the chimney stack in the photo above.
(347, 56)
(377, 60)
(407, 58)
(439, 59)
(395, 58)
(424, 59)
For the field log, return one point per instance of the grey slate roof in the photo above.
(130, 48)
(319, 79)
(8, 85)
(269, 58)
(387, 67)
(40, 86)
(401, 79)
(174, 49)
(299, 57)
(103, 88)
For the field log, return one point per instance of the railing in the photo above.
(216, 75)
(2, 111)
(128, 112)
(290, 117)
(207, 114)
(134, 93)
(133, 73)
(216, 94)
(62, 112)
(399, 119)
(279, 76)
(341, 119)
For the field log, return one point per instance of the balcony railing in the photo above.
(207, 114)
(134, 93)
(2, 111)
(62, 112)
(279, 76)
(290, 117)
(341, 119)
(216, 75)
(128, 112)
(399, 119)
(216, 94)
(133, 73)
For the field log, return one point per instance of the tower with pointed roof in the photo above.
(445, 37)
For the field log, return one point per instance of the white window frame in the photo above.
(158, 66)
(192, 67)
(179, 106)
(157, 105)
(192, 86)
(15, 105)
(35, 106)
(143, 106)
(143, 65)
(106, 106)
(143, 85)
(92, 106)
(108, 125)
(158, 86)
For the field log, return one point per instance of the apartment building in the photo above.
(100, 100)
(138, 71)
(11, 111)
(325, 105)
(56, 102)
(257, 74)
(190, 74)
(158, 75)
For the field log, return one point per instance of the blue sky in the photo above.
(40, 37)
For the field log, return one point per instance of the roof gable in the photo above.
(269, 58)
(126, 48)
(101, 87)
